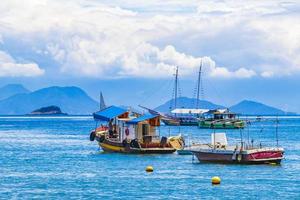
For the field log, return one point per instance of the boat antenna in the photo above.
(214, 135)
(276, 132)
(176, 88)
(198, 85)
(241, 134)
(248, 123)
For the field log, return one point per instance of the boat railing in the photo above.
(151, 138)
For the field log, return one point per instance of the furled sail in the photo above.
(102, 103)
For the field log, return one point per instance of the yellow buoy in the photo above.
(149, 169)
(215, 180)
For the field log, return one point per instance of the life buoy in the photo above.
(92, 136)
(126, 131)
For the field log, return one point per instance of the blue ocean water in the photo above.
(52, 158)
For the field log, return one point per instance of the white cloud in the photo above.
(9, 67)
(267, 74)
(266, 31)
(240, 73)
(88, 38)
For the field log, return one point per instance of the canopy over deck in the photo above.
(142, 118)
(221, 112)
(189, 111)
(109, 113)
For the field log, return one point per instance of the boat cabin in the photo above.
(189, 112)
(221, 114)
(122, 124)
(219, 140)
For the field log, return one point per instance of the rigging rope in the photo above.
(157, 90)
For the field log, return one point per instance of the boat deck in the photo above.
(230, 148)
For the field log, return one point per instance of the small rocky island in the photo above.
(50, 110)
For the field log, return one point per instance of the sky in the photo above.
(129, 49)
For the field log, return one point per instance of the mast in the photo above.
(277, 121)
(101, 102)
(198, 85)
(176, 87)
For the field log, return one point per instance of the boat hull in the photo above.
(173, 122)
(192, 123)
(170, 122)
(118, 147)
(257, 156)
(222, 124)
(184, 152)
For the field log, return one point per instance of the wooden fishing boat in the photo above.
(132, 134)
(220, 151)
(181, 116)
(170, 121)
(184, 116)
(221, 119)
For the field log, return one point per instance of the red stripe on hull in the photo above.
(255, 158)
(264, 155)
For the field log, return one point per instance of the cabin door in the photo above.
(145, 129)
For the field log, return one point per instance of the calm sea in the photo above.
(52, 158)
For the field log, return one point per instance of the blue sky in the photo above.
(128, 49)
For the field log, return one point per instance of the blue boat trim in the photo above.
(109, 113)
(141, 118)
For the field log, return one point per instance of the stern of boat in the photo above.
(177, 142)
(265, 155)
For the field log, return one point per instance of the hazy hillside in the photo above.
(71, 100)
(244, 107)
(12, 89)
(185, 102)
(247, 107)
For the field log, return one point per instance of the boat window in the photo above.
(145, 129)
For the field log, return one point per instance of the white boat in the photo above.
(219, 151)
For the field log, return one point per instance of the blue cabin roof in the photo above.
(109, 113)
(141, 118)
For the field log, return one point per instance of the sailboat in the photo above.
(185, 116)
(102, 103)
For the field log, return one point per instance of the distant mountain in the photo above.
(12, 89)
(185, 102)
(247, 107)
(71, 100)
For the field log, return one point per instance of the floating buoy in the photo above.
(215, 180)
(149, 169)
